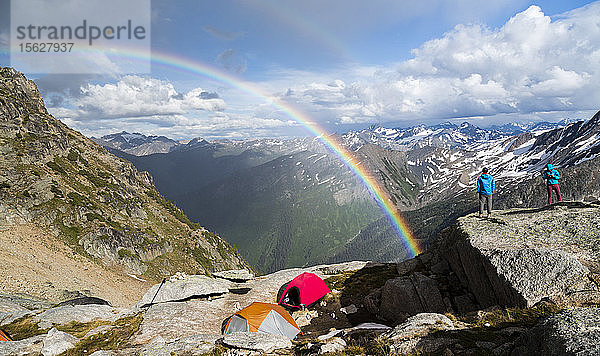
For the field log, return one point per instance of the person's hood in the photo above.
(486, 176)
(549, 166)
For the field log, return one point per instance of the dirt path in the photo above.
(34, 262)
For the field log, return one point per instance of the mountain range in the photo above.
(287, 203)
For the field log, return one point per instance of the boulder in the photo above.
(402, 297)
(79, 313)
(420, 325)
(335, 344)
(257, 341)
(574, 331)
(32, 345)
(408, 337)
(236, 275)
(57, 342)
(185, 288)
(174, 320)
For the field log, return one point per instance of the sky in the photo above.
(345, 64)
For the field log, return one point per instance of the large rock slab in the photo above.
(176, 289)
(32, 345)
(57, 342)
(402, 297)
(257, 341)
(175, 320)
(522, 256)
(10, 312)
(573, 331)
(79, 313)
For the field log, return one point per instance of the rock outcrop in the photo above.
(521, 256)
(101, 206)
(574, 331)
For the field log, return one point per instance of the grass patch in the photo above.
(80, 329)
(55, 167)
(94, 216)
(113, 339)
(125, 253)
(595, 278)
(23, 328)
(521, 317)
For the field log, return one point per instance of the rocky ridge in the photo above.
(101, 206)
(524, 281)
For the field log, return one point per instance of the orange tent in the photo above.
(262, 318)
(4, 337)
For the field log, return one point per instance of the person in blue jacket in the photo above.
(552, 176)
(486, 186)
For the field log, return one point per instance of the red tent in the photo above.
(302, 291)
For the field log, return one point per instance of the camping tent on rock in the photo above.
(303, 291)
(4, 337)
(263, 318)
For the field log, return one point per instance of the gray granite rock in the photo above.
(184, 288)
(56, 342)
(574, 331)
(257, 341)
(409, 337)
(79, 313)
(419, 325)
(175, 320)
(334, 344)
(32, 345)
(522, 256)
(10, 312)
(402, 297)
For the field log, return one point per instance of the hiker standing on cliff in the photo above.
(486, 185)
(552, 176)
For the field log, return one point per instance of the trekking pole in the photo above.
(161, 284)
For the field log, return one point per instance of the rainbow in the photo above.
(376, 191)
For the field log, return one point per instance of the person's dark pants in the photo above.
(483, 201)
(552, 187)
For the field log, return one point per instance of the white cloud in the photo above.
(530, 64)
(153, 106)
(219, 125)
(134, 96)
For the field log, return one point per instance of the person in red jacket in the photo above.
(552, 176)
